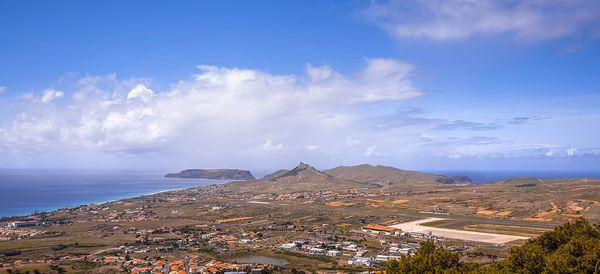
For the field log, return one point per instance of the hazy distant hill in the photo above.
(223, 174)
(387, 176)
(302, 178)
(275, 174)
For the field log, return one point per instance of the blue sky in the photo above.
(265, 84)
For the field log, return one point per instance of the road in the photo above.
(105, 250)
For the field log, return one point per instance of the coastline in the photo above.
(97, 202)
(73, 190)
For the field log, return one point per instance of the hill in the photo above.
(276, 174)
(302, 178)
(222, 174)
(387, 176)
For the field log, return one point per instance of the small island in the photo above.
(219, 174)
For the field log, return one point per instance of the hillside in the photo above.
(386, 176)
(275, 174)
(222, 174)
(302, 178)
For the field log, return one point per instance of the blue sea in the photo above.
(26, 191)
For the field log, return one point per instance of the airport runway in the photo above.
(493, 238)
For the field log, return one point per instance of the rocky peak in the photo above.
(302, 168)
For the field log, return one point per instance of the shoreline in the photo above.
(104, 201)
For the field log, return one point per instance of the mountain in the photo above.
(388, 176)
(222, 174)
(302, 178)
(276, 174)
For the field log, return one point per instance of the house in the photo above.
(288, 246)
(380, 230)
(350, 247)
(334, 253)
(385, 258)
(208, 235)
(300, 243)
(25, 224)
(316, 250)
(362, 261)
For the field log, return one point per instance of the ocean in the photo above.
(24, 192)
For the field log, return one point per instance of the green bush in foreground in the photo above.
(570, 248)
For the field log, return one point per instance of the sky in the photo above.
(262, 85)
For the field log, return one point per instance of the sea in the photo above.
(23, 192)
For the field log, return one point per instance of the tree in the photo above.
(573, 247)
(428, 259)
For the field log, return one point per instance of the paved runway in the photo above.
(415, 226)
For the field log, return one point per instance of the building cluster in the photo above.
(355, 254)
(23, 224)
(191, 264)
(11, 233)
(375, 229)
(132, 215)
(188, 265)
(316, 196)
(97, 213)
(323, 247)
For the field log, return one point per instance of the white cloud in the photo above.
(455, 156)
(50, 95)
(490, 148)
(380, 80)
(371, 151)
(2, 89)
(218, 110)
(226, 116)
(142, 92)
(460, 19)
(269, 145)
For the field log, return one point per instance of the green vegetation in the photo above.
(429, 259)
(321, 258)
(570, 248)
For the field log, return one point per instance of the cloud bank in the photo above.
(227, 110)
(251, 118)
(530, 20)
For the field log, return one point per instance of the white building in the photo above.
(288, 245)
(334, 253)
(316, 250)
